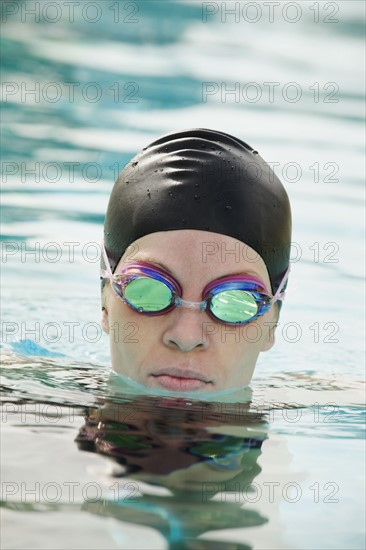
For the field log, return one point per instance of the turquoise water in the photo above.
(90, 461)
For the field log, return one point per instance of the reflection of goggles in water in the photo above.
(234, 299)
(226, 454)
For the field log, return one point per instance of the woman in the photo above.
(195, 262)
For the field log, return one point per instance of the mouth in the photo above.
(181, 379)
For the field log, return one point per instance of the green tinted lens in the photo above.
(234, 306)
(148, 294)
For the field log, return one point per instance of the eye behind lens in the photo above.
(234, 306)
(147, 294)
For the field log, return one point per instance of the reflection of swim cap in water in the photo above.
(206, 180)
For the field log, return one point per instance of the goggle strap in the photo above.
(279, 294)
(107, 273)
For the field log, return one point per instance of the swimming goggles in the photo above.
(232, 299)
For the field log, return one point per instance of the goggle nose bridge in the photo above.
(179, 302)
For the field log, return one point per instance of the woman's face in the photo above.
(186, 349)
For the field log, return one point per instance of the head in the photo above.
(200, 205)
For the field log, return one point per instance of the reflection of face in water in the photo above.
(168, 442)
(196, 450)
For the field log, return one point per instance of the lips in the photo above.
(181, 379)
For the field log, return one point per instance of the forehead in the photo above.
(197, 254)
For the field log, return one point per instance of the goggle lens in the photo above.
(234, 306)
(147, 294)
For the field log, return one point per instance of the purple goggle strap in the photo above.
(279, 294)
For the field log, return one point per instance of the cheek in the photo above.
(243, 342)
(130, 329)
(252, 333)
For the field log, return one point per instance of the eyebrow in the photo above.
(149, 260)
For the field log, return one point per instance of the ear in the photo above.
(105, 320)
(270, 338)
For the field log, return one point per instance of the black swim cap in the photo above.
(206, 180)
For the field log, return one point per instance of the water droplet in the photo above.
(156, 170)
(255, 152)
(134, 164)
(227, 207)
(140, 309)
(127, 181)
(196, 184)
(170, 193)
(196, 197)
(161, 169)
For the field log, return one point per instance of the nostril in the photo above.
(185, 335)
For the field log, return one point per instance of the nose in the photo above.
(186, 330)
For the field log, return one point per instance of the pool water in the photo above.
(91, 460)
